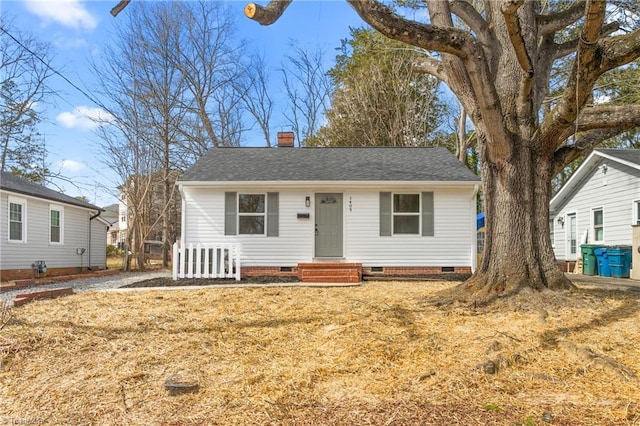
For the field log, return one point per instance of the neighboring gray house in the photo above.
(598, 204)
(393, 211)
(40, 224)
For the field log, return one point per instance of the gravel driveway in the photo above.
(91, 284)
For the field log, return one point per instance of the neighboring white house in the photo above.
(42, 226)
(394, 211)
(598, 204)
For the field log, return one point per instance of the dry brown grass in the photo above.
(383, 353)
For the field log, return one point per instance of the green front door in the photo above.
(328, 232)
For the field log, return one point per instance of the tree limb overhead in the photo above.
(509, 11)
(583, 145)
(119, 7)
(549, 24)
(266, 15)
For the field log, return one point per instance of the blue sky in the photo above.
(77, 30)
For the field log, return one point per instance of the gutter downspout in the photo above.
(89, 248)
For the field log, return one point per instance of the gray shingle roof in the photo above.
(329, 164)
(19, 185)
(630, 155)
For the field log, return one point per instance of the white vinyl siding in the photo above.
(614, 192)
(453, 243)
(75, 222)
(17, 228)
(204, 222)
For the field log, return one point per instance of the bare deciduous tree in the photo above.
(308, 88)
(24, 74)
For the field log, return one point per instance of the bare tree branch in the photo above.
(568, 47)
(549, 24)
(620, 50)
(430, 37)
(268, 14)
(622, 117)
(585, 72)
(509, 11)
(432, 67)
(585, 144)
(119, 7)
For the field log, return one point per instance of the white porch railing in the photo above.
(206, 261)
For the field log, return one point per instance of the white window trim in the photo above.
(418, 213)
(59, 208)
(593, 225)
(23, 202)
(263, 214)
(635, 212)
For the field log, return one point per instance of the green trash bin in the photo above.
(589, 260)
(620, 261)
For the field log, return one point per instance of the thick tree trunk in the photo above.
(518, 252)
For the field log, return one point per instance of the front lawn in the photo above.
(383, 353)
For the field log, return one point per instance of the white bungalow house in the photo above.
(328, 214)
(598, 204)
(45, 231)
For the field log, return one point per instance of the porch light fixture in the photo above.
(307, 201)
(561, 221)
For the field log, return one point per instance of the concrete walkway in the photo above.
(624, 284)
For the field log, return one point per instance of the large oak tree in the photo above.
(498, 57)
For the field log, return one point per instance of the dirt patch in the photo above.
(380, 354)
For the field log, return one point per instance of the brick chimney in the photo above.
(285, 139)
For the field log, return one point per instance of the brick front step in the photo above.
(24, 298)
(328, 272)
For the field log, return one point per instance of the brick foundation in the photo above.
(408, 271)
(30, 282)
(24, 274)
(567, 266)
(267, 271)
(319, 271)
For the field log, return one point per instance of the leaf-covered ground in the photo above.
(383, 353)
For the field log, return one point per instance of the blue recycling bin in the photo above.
(620, 261)
(602, 257)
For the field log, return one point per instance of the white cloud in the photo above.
(69, 43)
(68, 13)
(70, 165)
(84, 117)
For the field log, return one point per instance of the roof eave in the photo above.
(325, 183)
(618, 160)
(51, 199)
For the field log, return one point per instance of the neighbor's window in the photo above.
(598, 225)
(636, 209)
(17, 218)
(251, 213)
(406, 213)
(55, 224)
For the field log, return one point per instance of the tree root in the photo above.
(590, 357)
